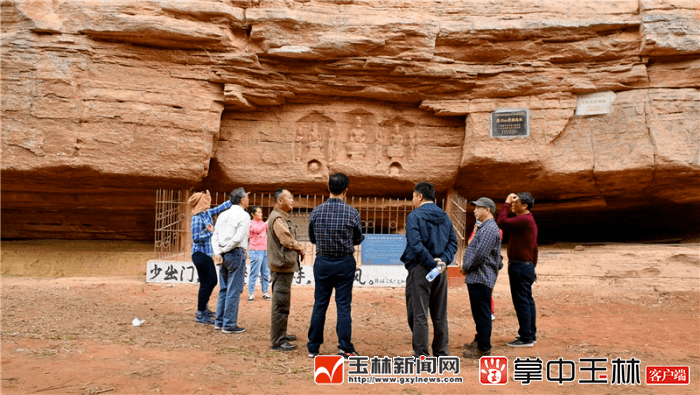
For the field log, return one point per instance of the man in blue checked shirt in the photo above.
(335, 228)
(482, 261)
(202, 230)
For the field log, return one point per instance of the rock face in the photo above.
(103, 102)
(383, 149)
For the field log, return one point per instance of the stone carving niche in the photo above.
(312, 144)
(381, 147)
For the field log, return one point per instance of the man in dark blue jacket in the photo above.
(430, 241)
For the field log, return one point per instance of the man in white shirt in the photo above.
(229, 243)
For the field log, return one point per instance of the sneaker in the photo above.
(493, 317)
(251, 298)
(235, 329)
(347, 355)
(267, 296)
(533, 342)
(519, 343)
(475, 353)
(203, 318)
(313, 354)
(217, 327)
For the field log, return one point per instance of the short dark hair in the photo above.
(237, 195)
(426, 189)
(253, 209)
(527, 199)
(337, 183)
(279, 193)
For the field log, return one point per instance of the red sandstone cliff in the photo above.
(102, 102)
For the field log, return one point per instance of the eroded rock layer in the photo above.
(103, 102)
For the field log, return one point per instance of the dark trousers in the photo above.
(207, 278)
(521, 276)
(330, 273)
(480, 301)
(281, 302)
(423, 297)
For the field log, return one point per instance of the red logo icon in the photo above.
(493, 370)
(329, 369)
(668, 375)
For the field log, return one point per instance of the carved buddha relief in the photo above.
(312, 142)
(396, 150)
(399, 148)
(356, 147)
(315, 143)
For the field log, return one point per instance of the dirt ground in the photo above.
(67, 308)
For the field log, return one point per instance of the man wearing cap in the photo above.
(482, 261)
(202, 230)
(230, 242)
(283, 255)
(516, 217)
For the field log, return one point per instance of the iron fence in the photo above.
(172, 233)
(457, 209)
(378, 216)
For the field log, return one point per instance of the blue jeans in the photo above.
(258, 266)
(329, 273)
(521, 276)
(231, 275)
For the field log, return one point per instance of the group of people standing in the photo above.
(335, 229)
(483, 260)
(431, 243)
(226, 245)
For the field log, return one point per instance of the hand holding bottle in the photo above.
(436, 271)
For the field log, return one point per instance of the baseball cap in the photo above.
(485, 202)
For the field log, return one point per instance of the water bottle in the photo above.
(433, 274)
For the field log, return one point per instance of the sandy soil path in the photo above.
(73, 335)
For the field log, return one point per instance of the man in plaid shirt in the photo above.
(335, 228)
(482, 261)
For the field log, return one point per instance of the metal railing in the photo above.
(172, 232)
(457, 209)
(378, 215)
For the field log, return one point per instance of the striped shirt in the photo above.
(335, 228)
(201, 237)
(482, 259)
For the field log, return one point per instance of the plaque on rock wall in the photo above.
(595, 103)
(510, 123)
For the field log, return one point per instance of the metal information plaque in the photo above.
(510, 123)
(383, 249)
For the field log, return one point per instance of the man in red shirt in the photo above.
(516, 217)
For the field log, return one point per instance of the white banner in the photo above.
(185, 272)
